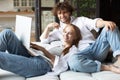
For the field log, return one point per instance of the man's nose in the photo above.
(62, 14)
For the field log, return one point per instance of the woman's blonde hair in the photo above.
(76, 40)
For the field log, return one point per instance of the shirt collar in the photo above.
(63, 24)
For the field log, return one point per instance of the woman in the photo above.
(90, 59)
(19, 60)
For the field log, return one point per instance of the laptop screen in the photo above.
(23, 29)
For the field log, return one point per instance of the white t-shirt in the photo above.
(60, 63)
(85, 25)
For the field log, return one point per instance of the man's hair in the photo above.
(62, 6)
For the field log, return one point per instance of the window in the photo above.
(46, 18)
(23, 3)
(84, 7)
(43, 15)
(16, 3)
(31, 3)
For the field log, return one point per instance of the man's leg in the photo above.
(9, 42)
(19, 61)
(103, 43)
(24, 66)
(113, 38)
(108, 38)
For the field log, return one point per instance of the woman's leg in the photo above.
(9, 42)
(26, 67)
(19, 63)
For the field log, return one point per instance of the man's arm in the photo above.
(102, 23)
(48, 29)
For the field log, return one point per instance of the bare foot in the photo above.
(115, 69)
(117, 63)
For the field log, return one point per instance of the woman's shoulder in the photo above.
(73, 49)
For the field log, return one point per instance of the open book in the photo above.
(23, 32)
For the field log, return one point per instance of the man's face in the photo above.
(64, 16)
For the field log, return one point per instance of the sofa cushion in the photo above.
(6, 75)
(106, 75)
(44, 77)
(70, 75)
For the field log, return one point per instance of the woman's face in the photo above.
(69, 34)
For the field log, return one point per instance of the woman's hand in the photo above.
(34, 46)
(47, 54)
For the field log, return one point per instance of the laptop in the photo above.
(23, 32)
(23, 29)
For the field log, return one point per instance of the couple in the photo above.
(80, 51)
(91, 52)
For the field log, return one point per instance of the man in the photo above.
(64, 13)
(91, 52)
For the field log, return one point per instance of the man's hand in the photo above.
(48, 29)
(53, 25)
(109, 25)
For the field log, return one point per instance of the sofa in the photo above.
(68, 75)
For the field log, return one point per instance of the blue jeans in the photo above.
(18, 60)
(89, 60)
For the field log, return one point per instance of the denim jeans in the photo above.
(89, 59)
(17, 59)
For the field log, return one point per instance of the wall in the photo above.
(6, 5)
(8, 13)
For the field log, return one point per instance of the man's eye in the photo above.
(64, 31)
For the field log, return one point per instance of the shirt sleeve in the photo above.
(98, 65)
(60, 65)
(90, 23)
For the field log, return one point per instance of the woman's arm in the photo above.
(46, 53)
